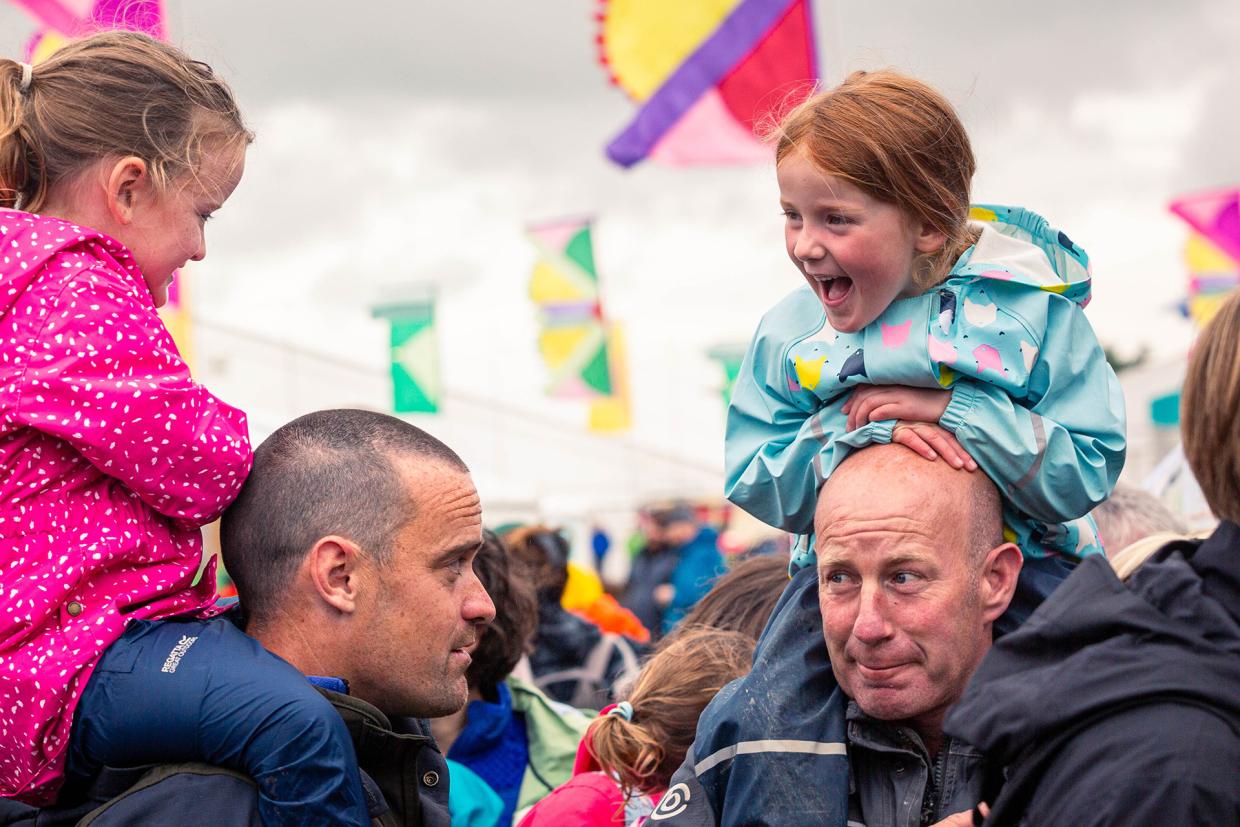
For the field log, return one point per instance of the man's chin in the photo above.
(447, 704)
(885, 700)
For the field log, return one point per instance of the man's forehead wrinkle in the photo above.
(891, 537)
(849, 527)
(465, 502)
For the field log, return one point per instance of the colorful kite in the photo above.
(584, 353)
(63, 20)
(1213, 250)
(705, 72)
(415, 356)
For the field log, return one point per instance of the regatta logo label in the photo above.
(674, 802)
(178, 652)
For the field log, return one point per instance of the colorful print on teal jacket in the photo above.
(1033, 399)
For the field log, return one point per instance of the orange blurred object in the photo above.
(610, 616)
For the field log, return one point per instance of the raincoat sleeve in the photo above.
(104, 376)
(781, 444)
(1057, 453)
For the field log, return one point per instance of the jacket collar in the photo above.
(1217, 560)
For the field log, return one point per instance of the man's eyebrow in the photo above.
(447, 555)
(906, 559)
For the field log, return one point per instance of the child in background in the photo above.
(630, 752)
(962, 341)
(113, 155)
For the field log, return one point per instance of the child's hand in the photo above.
(932, 441)
(871, 403)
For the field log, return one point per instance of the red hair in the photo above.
(898, 140)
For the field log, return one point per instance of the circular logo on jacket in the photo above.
(673, 803)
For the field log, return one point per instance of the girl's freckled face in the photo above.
(856, 252)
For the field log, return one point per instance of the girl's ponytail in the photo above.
(20, 178)
(674, 686)
(628, 749)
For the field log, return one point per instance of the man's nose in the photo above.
(871, 626)
(478, 607)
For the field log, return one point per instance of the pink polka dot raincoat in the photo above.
(111, 460)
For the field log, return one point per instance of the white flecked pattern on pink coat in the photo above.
(111, 460)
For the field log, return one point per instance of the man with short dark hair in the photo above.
(352, 546)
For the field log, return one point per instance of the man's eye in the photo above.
(903, 578)
(837, 579)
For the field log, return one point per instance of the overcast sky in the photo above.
(410, 142)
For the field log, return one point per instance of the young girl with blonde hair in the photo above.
(630, 752)
(114, 153)
(955, 331)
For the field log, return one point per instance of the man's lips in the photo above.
(465, 648)
(879, 671)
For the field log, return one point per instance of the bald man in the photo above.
(912, 573)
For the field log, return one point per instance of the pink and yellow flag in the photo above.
(584, 353)
(1212, 252)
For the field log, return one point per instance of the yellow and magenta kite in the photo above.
(706, 73)
(63, 20)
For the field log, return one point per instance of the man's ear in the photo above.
(999, 574)
(126, 184)
(333, 565)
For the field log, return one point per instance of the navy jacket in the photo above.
(404, 774)
(1119, 703)
(770, 747)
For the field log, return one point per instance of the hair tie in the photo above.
(624, 710)
(27, 76)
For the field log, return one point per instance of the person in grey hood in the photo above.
(1119, 702)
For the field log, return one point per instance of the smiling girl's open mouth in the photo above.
(832, 291)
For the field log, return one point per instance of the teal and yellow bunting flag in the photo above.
(729, 358)
(415, 356)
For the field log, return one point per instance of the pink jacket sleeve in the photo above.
(104, 375)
